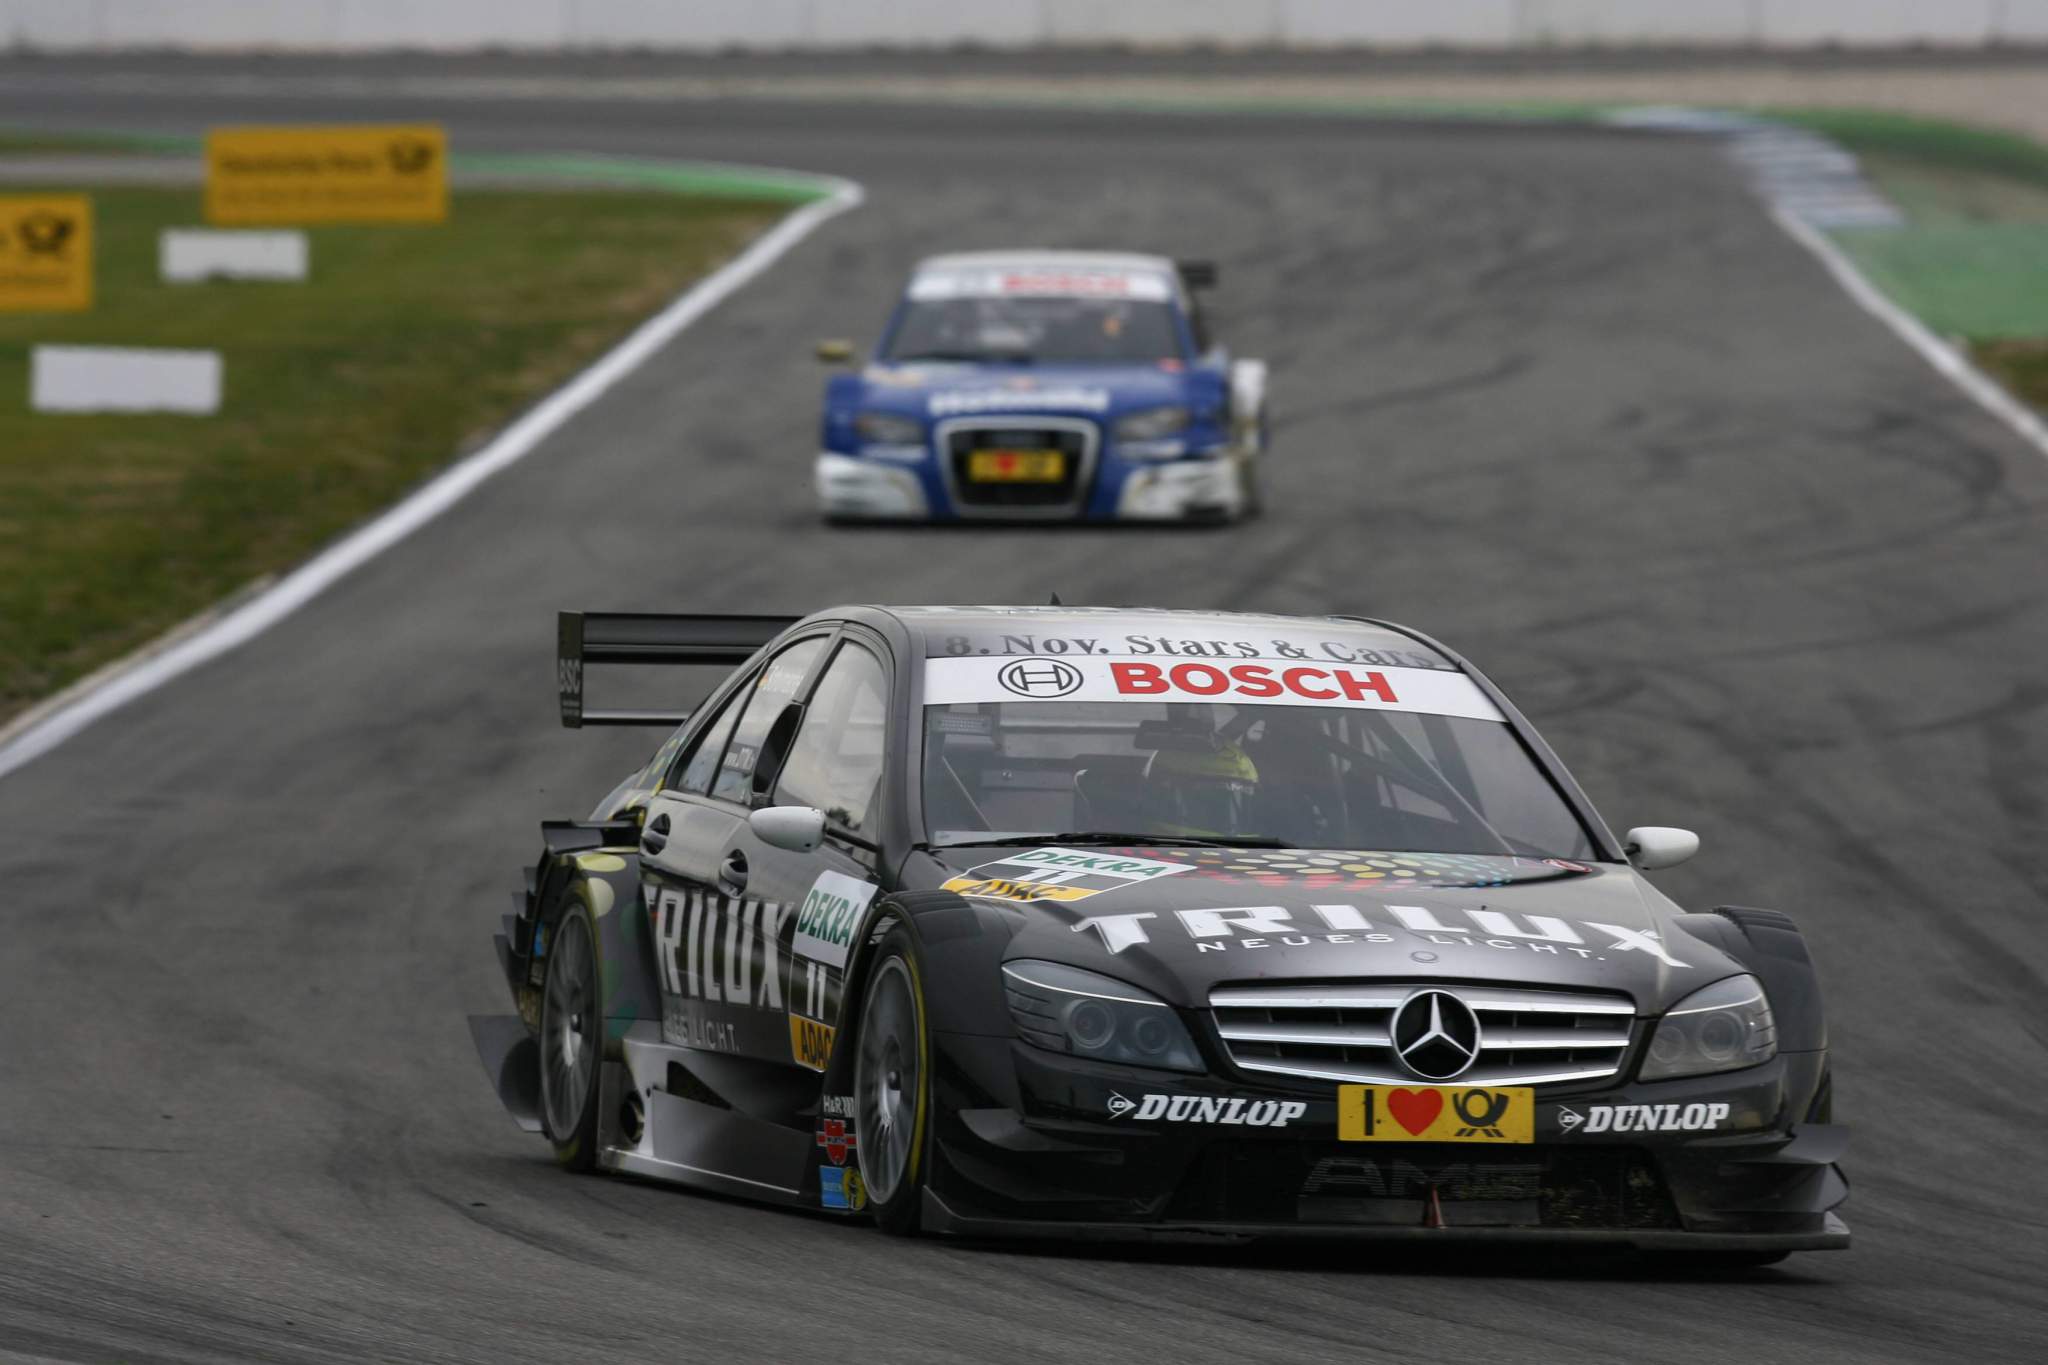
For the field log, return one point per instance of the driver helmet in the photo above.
(1203, 793)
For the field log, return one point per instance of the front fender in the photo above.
(960, 944)
(1769, 945)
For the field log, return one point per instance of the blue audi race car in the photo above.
(1045, 385)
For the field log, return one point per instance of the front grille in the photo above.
(1345, 1033)
(1075, 442)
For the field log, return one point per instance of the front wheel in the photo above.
(892, 1085)
(571, 1043)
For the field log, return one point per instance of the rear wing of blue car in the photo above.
(619, 637)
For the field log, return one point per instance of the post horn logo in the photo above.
(45, 233)
(1480, 1110)
(409, 156)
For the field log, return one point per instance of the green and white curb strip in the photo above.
(1797, 172)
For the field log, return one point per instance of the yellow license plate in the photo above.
(1016, 466)
(1436, 1113)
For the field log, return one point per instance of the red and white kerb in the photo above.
(1263, 682)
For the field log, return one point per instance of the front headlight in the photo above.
(1723, 1027)
(888, 429)
(1153, 424)
(1064, 1009)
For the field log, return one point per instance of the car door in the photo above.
(835, 763)
(722, 984)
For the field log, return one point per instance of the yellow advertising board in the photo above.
(1436, 1113)
(45, 253)
(346, 173)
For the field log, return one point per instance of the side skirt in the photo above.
(691, 1142)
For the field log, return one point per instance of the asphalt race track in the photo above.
(1566, 398)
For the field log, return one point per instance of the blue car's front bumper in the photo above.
(929, 482)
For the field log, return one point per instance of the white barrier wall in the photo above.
(712, 25)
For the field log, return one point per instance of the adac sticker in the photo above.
(810, 1042)
(830, 913)
(840, 1187)
(1060, 874)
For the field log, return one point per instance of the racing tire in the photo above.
(571, 1043)
(892, 1085)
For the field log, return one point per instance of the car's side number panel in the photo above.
(825, 924)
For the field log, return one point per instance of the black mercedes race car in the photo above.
(1116, 923)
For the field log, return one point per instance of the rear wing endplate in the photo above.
(620, 637)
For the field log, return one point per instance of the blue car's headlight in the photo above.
(1722, 1027)
(888, 429)
(1153, 424)
(1064, 1009)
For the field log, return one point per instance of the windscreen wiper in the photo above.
(1096, 836)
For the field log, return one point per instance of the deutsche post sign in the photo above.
(45, 253)
(355, 173)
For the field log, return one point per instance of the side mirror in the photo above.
(835, 352)
(798, 829)
(1653, 846)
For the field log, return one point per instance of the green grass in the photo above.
(1978, 281)
(408, 345)
(2021, 364)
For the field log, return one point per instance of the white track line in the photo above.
(156, 666)
(1946, 359)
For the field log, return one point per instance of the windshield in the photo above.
(1302, 776)
(1036, 329)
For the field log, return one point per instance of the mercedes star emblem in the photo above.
(1436, 1035)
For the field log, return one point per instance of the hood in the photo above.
(1178, 921)
(934, 392)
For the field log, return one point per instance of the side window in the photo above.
(696, 775)
(835, 763)
(772, 691)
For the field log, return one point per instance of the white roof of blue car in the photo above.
(1047, 259)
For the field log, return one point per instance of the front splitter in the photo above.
(943, 1220)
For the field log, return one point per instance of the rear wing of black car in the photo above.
(622, 637)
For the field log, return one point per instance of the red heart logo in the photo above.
(1415, 1110)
